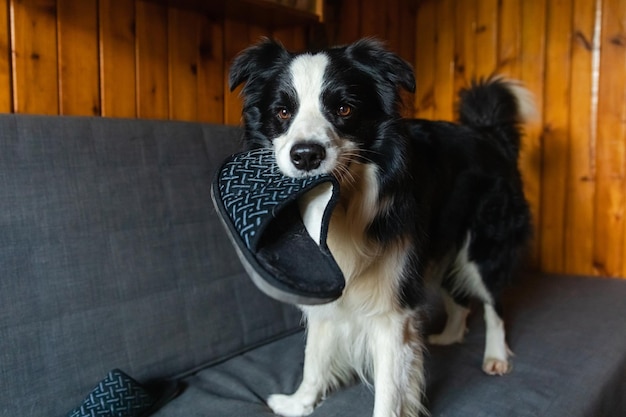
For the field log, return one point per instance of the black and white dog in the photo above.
(419, 200)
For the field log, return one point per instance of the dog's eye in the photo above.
(344, 110)
(284, 114)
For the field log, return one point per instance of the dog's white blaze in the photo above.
(308, 124)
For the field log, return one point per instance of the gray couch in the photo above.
(111, 257)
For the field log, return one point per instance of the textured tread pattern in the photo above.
(252, 187)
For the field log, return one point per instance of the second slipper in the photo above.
(261, 209)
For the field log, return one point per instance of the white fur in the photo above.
(365, 333)
(495, 361)
(468, 280)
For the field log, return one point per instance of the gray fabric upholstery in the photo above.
(111, 256)
(568, 335)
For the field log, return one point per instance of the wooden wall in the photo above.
(121, 58)
(135, 58)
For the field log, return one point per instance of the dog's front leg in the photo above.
(397, 357)
(316, 374)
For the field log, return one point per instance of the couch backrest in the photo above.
(111, 256)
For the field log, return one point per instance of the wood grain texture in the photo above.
(34, 54)
(532, 73)
(557, 96)
(211, 80)
(425, 70)
(152, 60)
(183, 46)
(118, 81)
(6, 99)
(580, 175)
(610, 159)
(79, 86)
(444, 93)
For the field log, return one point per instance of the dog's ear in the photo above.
(372, 54)
(256, 60)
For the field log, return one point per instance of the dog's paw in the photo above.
(495, 366)
(289, 405)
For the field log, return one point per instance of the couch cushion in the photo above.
(112, 257)
(567, 332)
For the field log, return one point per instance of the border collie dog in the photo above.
(420, 200)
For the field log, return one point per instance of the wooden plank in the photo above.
(235, 40)
(610, 200)
(486, 37)
(532, 72)
(509, 38)
(390, 32)
(465, 24)
(183, 47)
(78, 57)
(293, 38)
(211, 72)
(579, 212)
(407, 27)
(408, 15)
(445, 95)
(373, 19)
(256, 33)
(34, 56)
(425, 64)
(118, 88)
(556, 135)
(6, 100)
(347, 25)
(152, 60)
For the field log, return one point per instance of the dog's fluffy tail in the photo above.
(500, 104)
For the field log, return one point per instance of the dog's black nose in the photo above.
(307, 156)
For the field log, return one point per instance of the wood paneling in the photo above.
(124, 58)
(610, 193)
(77, 26)
(580, 187)
(118, 86)
(5, 58)
(211, 79)
(556, 134)
(34, 55)
(152, 60)
(139, 58)
(531, 69)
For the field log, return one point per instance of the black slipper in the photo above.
(119, 395)
(260, 209)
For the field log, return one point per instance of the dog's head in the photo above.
(319, 111)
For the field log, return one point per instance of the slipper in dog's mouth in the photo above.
(261, 209)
